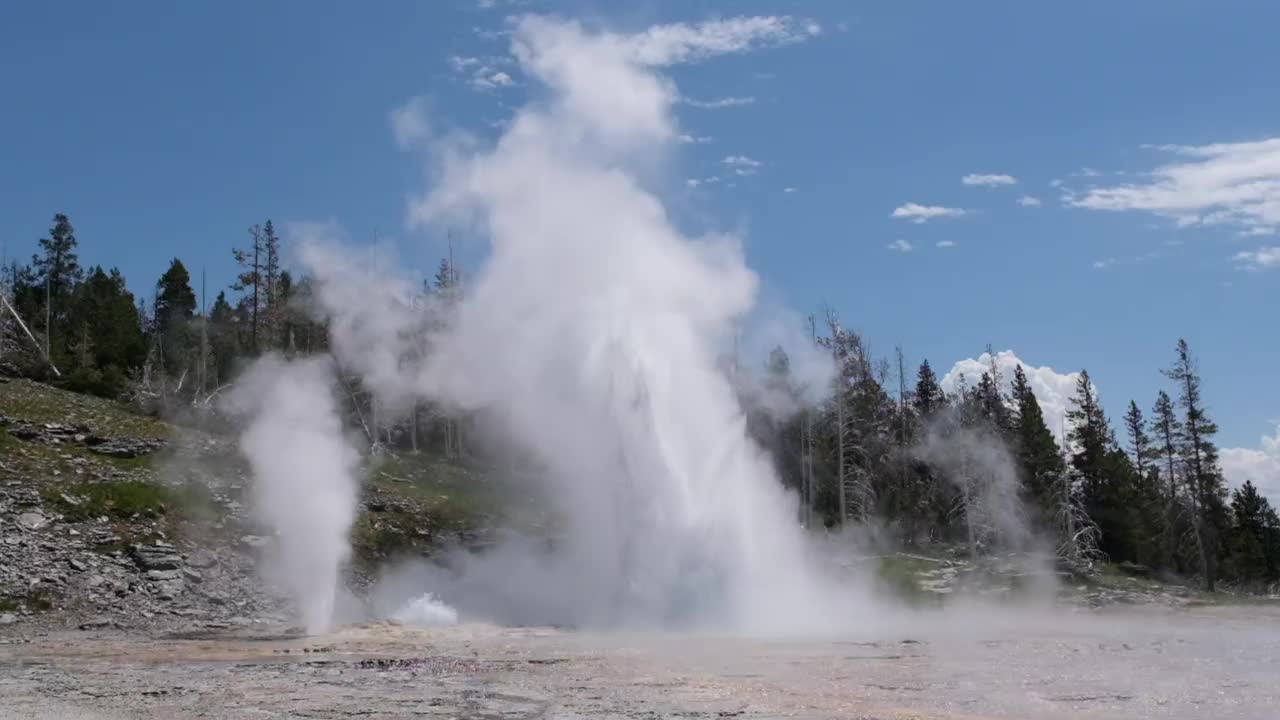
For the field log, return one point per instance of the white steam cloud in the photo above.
(305, 485)
(593, 331)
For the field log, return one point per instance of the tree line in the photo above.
(884, 445)
(1153, 497)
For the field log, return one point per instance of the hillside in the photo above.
(111, 517)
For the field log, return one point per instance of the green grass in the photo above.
(32, 601)
(40, 403)
(121, 500)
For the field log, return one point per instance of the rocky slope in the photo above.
(109, 518)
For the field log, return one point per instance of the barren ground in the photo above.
(1205, 663)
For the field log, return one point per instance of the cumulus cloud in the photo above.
(1230, 184)
(719, 103)
(1260, 466)
(901, 246)
(1029, 201)
(917, 213)
(1053, 389)
(741, 164)
(409, 123)
(988, 180)
(1261, 259)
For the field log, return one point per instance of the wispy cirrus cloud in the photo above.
(741, 164)
(988, 180)
(946, 243)
(1227, 184)
(676, 43)
(901, 246)
(719, 103)
(1029, 201)
(687, 139)
(1264, 258)
(918, 213)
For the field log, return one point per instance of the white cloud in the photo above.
(1053, 390)
(719, 103)
(663, 45)
(1261, 259)
(901, 246)
(741, 164)
(1260, 466)
(1234, 184)
(1103, 264)
(917, 213)
(789, 190)
(693, 182)
(988, 180)
(1029, 201)
(409, 123)
(462, 63)
(481, 73)
(946, 243)
(693, 139)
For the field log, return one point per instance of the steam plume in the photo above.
(593, 331)
(304, 470)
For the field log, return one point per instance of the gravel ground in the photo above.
(1217, 662)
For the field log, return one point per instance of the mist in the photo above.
(305, 484)
(591, 334)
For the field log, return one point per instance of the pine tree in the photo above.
(1250, 541)
(109, 337)
(223, 341)
(928, 397)
(175, 307)
(55, 274)
(250, 281)
(1038, 452)
(1105, 472)
(1199, 455)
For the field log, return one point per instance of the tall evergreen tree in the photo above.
(1038, 452)
(1199, 456)
(175, 307)
(250, 282)
(928, 397)
(55, 273)
(1105, 472)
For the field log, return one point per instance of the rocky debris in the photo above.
(158, 556)
(31, 521)
(57, 434)
(123, 448)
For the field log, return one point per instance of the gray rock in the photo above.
(77, 565)
(155, 557)
(192, 574)
(96, 624)
(163, 575)
(202, 559)
(32, 521)
(8, 618)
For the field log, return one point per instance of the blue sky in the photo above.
(166, 129)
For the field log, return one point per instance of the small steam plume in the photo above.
(304, 468)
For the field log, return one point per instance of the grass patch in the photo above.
(120, 500)
(33, 601)
(39, 403)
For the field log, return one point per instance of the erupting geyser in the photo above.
(593, 330)
(305, 486)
